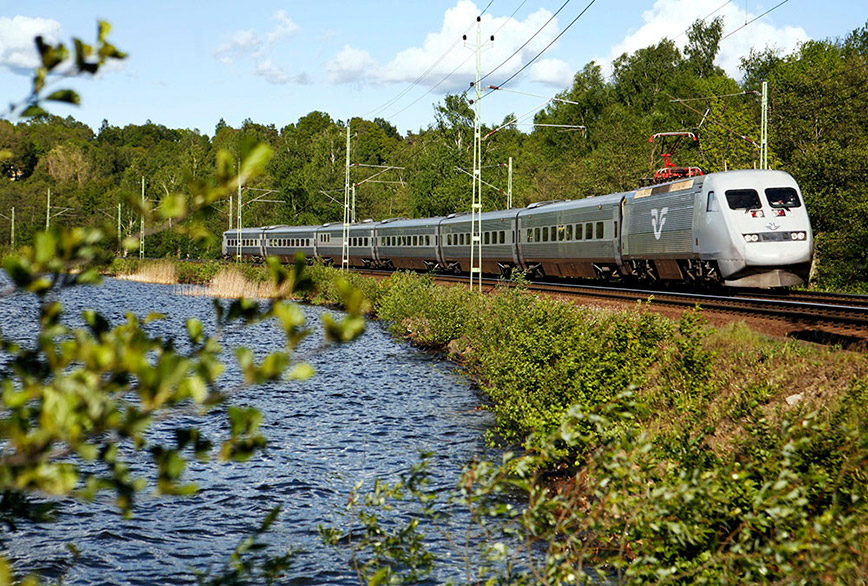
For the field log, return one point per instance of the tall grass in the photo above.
(161, 272)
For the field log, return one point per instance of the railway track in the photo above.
(820, 317)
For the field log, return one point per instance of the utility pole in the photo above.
(764, 131)
(476, 204)
(230, 213)
(142, 223)
(48, 212)
(345, 237)
(509, 186)
(238, 222)
(119, 224)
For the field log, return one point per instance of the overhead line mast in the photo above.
(476, 204)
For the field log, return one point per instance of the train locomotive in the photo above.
(745, 228)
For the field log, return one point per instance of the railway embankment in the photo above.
(662, 450)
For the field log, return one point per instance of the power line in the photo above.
(538, 55)
(703, 19)
(460, 65)
(754, 19)
(532, 37)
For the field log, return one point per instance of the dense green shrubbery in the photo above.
(534, 358)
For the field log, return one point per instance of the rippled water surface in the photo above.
(372, 406)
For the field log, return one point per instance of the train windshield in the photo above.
(783, 197)
(743, 199)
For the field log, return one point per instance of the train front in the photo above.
(770, 243)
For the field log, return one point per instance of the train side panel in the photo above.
(578, 238)
(658, 235)
(407, 244)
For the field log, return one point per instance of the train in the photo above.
(743, 228)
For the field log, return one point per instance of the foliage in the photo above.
(78, 401)
(790, 504)
(816, 133)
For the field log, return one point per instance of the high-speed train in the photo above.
(737, 228)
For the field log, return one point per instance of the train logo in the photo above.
(658, 219)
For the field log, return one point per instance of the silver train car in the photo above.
(737, 228)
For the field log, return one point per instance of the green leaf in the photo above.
(34, 111)
(301, 372)
(68, 96)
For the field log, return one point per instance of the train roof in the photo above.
(571, 204)
(466, 217)
(398, 223)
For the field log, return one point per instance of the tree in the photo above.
(77, 402)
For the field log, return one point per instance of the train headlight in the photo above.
(798, 235)
(751, 237)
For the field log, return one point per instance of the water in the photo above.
(371, 408)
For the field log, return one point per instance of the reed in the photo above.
(231, 283)
(160, 272)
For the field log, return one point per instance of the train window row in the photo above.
(359, 241)
(407, 240)
(244, 242)
(325, 238)
(290, 242)
(569, 232)
(488, 238)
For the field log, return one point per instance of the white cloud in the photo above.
(553, 72)
(247, 41)
(277, 75)
(251, 43)
(17, 50)
(670, 18)
(445, 54)
(285, 28)
(352, 65)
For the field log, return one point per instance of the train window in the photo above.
(366, 241)
(783, 197)
(562, 232)
(427, 240)
(711, 204)
(415, 241)
(486, 239)
(616, 230)
(545, 234)
(530, 235)
(743, 199)
(569, 232)
(600, 229)
(536, 235)
(449, 240)
(502, 236)
(589, 231)
(579, 232)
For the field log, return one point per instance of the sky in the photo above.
(193, 62)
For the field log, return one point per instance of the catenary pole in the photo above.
(509, 186)
(345, 234)
(142, 223)
(764, 131)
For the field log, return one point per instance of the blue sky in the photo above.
(193, 62)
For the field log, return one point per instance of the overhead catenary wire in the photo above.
(419, 79)
(703, 19)
(459, 66)
(532, 37)
(547, 47)
(753, 19)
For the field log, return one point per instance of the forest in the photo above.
(817, 132)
